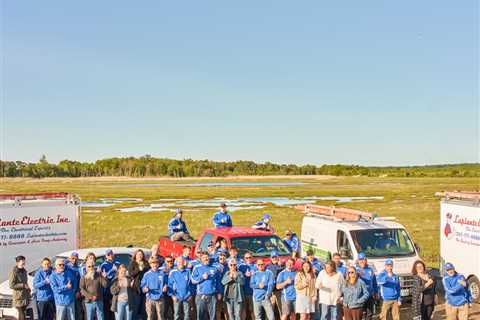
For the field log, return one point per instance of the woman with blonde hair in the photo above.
(329, 283)
(306, 294)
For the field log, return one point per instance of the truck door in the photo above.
(343, 246)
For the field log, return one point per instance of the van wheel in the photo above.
(474, 286)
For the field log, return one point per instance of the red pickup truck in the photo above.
(259, 243)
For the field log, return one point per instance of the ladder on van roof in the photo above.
(344, 214)
(461, 195)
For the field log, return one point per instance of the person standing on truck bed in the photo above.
(18, 282)
(366, 273)
(44, 293)
(457, 296)
(62, 282)
(206, 277)
(291, 240)
(177, 228)
(222, 218)
(262, 285)
(389, 285)
(264, 224)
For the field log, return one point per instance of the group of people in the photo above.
(218, 284)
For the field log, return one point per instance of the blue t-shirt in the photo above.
(288, 292)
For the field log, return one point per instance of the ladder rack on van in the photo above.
(461, 195)
(344, 214)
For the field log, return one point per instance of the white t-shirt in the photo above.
(331, 287)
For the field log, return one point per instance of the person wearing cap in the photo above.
(233, 295)
(108, 268)
(63, 286)
(206, 277)
(222, 267)
(457, 296)
(154, 285)
(262, 284)
(166, 268)
(177, 228)
(275, 267)
(91, 288)
(389, 287)
(43, 291)
(367, 275)
(212, 252)
(286, 283)
(18, 282)
(73, 266)
(316, 264)
(180, 288)
(291, 240)
(264, 224)
(248, 268)
(222, 218)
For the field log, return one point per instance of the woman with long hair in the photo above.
(329, 283)
(122, 295)
(355, 295)
(136, 269)
(306, 294)
(423, 292)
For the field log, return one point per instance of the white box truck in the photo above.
(327, 230)
(460, 236)
(35, 226)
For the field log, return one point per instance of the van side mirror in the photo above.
(417, 247)
(345, 253)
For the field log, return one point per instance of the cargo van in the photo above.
(327, 230)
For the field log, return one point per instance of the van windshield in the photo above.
(383, 242)
(260, 246)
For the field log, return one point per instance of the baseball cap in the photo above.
(19, 258)
(74, 254)
(274, 254)
(389, 262)
(266, 216)
(449, 266)
(108, 252)
(362, 256)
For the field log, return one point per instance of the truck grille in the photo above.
(6, 303)
(406, 281)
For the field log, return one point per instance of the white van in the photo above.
(327, 230)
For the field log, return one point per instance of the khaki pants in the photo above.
(277, 301)
(456, 313)
(155, 309)
(390, 305)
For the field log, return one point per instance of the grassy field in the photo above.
(410, 200)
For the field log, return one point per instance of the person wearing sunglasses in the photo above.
(166, 268)
(222, 268)
(92, 284)
(63, 287)
(248, 268)
(354, 295)
(233, 281)
(367, 274)
(262, 284)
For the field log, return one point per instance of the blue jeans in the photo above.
(139, 312)
(178, 307)
(123, 311)
(329, 312)
(234, 308)
(46, 310)
(206, 306)
(266, 305)
(94, 307)
(66, 312)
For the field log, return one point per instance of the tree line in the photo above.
(148, 166)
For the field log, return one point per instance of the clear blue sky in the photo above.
(373, 83)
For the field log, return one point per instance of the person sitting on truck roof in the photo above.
(222, 218)
(177, 228)
(457, 296)
(63, 286)
(366, 273)
(44, 293)
(291, 240)
(206, 277)
(264, 224)
(389, 285)
(339, 264)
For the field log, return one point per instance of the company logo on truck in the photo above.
(448, 229)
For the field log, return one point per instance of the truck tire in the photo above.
(474, 286)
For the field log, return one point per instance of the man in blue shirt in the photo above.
(205, 276)
(316, 264)
(286, 283)
(154, 285)
(44, 293)
(291, 240)
(108, 269)
(248, 268)
(222, 219)
(73, 266)
(177, 228)
(62, 282)
(457, 295)
(180, 289)
(222, 268)
(366, 273)
(264, 224)
(262, 285)
(275, 267)
(389, 285)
